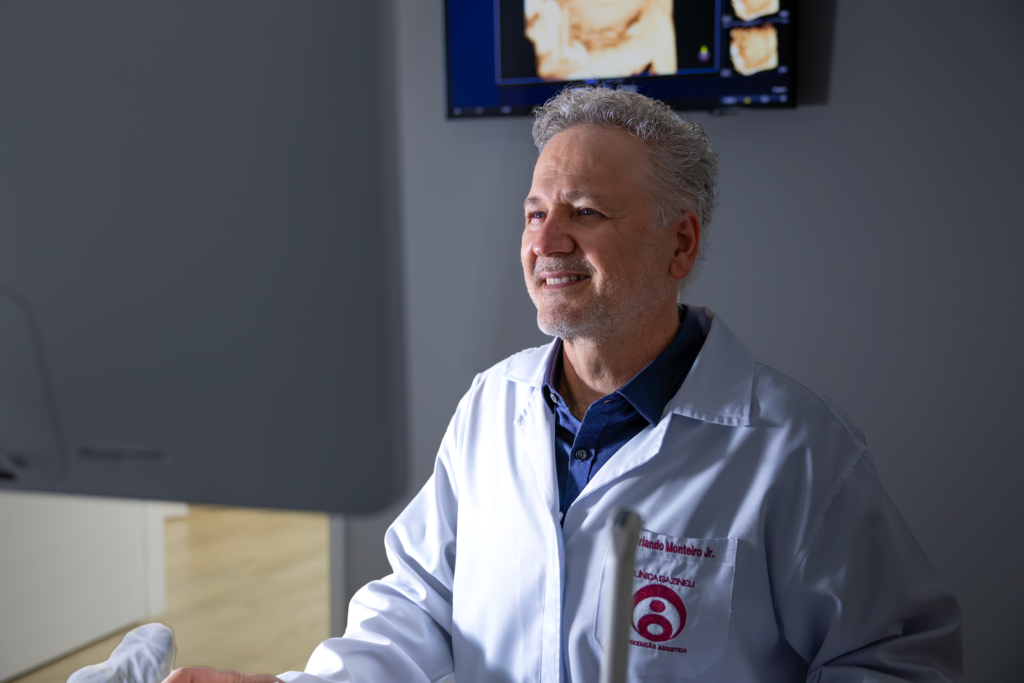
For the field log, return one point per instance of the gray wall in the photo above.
(867, 244)
(191, 210)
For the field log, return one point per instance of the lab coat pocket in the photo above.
(682, 603)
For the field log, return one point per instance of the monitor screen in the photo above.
(507, 56)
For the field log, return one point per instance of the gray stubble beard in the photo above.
(590, 321)
(596, 320)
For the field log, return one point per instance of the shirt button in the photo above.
(581, 454)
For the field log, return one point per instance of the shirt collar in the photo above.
(718, 388)
(652, 388)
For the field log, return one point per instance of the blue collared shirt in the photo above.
(582, 448)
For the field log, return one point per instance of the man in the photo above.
(769, 550)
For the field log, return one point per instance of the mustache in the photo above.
(576, 264)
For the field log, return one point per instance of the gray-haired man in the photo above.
(769, 549)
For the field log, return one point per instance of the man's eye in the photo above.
(588, 212)
(535, 215)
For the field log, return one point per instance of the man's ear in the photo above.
(687, 233)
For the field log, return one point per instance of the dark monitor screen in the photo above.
(507, 56)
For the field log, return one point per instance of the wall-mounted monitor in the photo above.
(507, 56)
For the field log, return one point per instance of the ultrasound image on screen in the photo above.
(754, 49)
(568, 40)
(577, 39)
(748, 10)
(505, 57)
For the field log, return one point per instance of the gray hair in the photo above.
(684, 167)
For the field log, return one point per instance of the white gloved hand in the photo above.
(144, 656)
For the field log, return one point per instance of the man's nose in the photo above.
(553, 237)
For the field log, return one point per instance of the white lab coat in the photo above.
(805, 569)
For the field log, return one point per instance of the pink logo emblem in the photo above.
(658, 613)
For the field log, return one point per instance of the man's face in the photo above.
(593, 259)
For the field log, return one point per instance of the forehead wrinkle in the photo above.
(568, 195)
(583, 170)
(557, 166)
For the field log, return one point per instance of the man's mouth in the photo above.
(563, 279)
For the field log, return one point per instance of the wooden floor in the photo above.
(246, 590)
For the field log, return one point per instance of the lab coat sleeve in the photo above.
(864, 602)
(399, 628)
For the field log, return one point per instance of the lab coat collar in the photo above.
(718, 388)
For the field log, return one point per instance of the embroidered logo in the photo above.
(658, 613)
